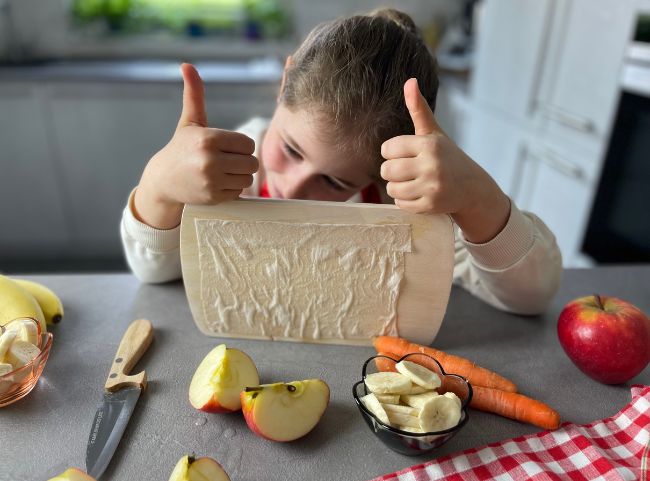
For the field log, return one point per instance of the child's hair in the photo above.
(350, 73)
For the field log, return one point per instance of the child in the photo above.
(354, 120)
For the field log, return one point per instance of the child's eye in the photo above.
(332, 183)
(291, 151)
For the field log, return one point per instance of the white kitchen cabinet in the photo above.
(557, 187)
(105, 134)
(495, 144)
(72, 151)
(32, 206)
(510, 52)
(579, 89)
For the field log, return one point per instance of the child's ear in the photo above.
(287, 64)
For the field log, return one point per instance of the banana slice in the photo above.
(415, 389)
(6, 339)
(26, 329)
(418, 400)
(395, 408)
(21, 352)
(453, 396)
(5, 368)
(388, 383)
(439, 413)
(375, 407)
(5, 381)
(401, 419)
(388, 398)
(420, 375)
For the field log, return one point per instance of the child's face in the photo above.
(299, 164)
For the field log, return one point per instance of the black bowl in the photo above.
(404, 442)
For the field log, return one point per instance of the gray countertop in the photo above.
(46, 432)
(260, 70)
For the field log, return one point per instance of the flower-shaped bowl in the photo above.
(18, 383)
(405, 442)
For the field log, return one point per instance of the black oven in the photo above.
(618, 230)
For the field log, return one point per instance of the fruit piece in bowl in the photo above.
(430, 407)
(21, 360)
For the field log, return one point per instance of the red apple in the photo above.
(607, 338)
(285, 411)
(73, 474)
(221, 376)
(190, 468)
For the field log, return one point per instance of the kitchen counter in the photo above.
(46, 432)
(261, 70)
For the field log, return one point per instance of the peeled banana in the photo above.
(16, 302)
(50, 303)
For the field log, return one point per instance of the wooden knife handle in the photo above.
(133, 345)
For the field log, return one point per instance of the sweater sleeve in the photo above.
(518, 271)
(152, 254)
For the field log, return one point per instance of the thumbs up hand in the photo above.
(199, 165)
(428, 173)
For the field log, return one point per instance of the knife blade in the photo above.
(121, 393)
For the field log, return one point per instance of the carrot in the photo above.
(515, 406)
(476, 375)
(507, 404)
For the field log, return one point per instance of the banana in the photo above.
(388, 383)
(25, 329)
(396, 408)
(16, 302)
(388, 398)
(439, 413)
(415, 389)
(375, 407)
(50, 303)
(419, 375)
(21, 353)
(6, 339)
(417, 400)
(401, 419)
(5, 368)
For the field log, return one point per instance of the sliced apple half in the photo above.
(73, 474)
(219, 379)
(190, 468)
(285, 411)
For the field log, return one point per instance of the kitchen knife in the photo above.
(120, 396)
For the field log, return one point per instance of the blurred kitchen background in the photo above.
(552, 97)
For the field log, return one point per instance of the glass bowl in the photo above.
(18, 383)
(404, 442)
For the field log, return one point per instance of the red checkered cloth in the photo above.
(615, 448)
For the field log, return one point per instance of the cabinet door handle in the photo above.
(570, 120)
(559, 164)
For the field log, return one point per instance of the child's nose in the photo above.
(296, 184)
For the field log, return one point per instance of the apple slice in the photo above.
(285, 411)
(72, 474)
(190, 468)
(219, 379)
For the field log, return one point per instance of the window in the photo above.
(252, 19)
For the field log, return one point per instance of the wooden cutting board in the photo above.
(219, 290)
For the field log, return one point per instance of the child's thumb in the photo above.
(193, 99)
(421, 114)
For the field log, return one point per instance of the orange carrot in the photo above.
(507, 404)
(515, 406)
(476, 375)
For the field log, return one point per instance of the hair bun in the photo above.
(400, 18)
